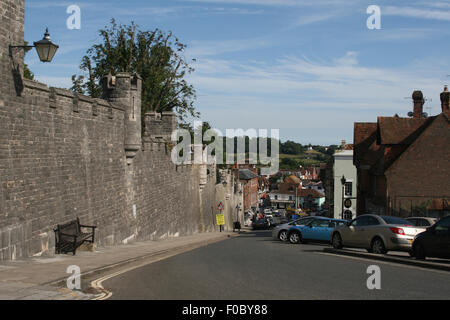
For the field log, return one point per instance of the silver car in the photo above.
(280, 232)
(422, 221)
(377, 234)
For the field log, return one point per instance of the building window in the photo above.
(348, 189)
(290, 197)
(276, 197)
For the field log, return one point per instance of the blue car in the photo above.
(319, 229)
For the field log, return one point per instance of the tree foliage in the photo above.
(27, 73)
(155, 55)
(291, 147)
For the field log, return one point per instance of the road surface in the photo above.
(254, 266)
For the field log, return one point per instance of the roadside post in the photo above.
(220, 217)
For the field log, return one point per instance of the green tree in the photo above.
(288, 163)
(291, 147)
(155, 55)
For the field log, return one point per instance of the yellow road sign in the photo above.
(220, 219)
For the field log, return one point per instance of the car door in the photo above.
(318, 230)
(369, 231)
(440, 246)
(357, 229)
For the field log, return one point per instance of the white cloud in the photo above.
(402, 34)
(209, 48)
(439, 4)
(298, 93)
(416, 13)
(350, 59)
(313, 18)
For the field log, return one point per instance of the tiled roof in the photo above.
(380, 144)
(246, 174)
(292, 179)
(314, 193)
(363, 130)
(348, 147)
(366, 150)
(396, 130)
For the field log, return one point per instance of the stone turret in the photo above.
(125, 90)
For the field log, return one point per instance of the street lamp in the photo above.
(45, 48)
(343, 181)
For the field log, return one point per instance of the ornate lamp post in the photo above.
(343, 181)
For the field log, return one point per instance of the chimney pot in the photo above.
(445, 100)
(417, 97)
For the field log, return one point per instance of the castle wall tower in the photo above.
(125, 90)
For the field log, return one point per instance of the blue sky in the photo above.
(308, 68)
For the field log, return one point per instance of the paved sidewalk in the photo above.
(44, 278)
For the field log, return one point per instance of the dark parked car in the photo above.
(260, 224)
(434, 242)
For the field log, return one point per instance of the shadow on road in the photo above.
(257, 233)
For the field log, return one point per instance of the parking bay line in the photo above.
(399, 265)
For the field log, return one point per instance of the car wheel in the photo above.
(419, 251)
(378, 246)
(295, 238)
(337, 241)
(283, 235)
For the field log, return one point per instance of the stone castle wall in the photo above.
(64, 156)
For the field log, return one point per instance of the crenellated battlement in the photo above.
(159, 126)
(59, 98)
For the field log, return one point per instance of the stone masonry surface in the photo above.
(64, 156)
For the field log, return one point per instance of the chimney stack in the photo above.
(444, 101)
(417, 97)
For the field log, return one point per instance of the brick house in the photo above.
(403, 164)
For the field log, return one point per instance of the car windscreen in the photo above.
(396, 220)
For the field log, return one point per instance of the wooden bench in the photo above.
(68, 236)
